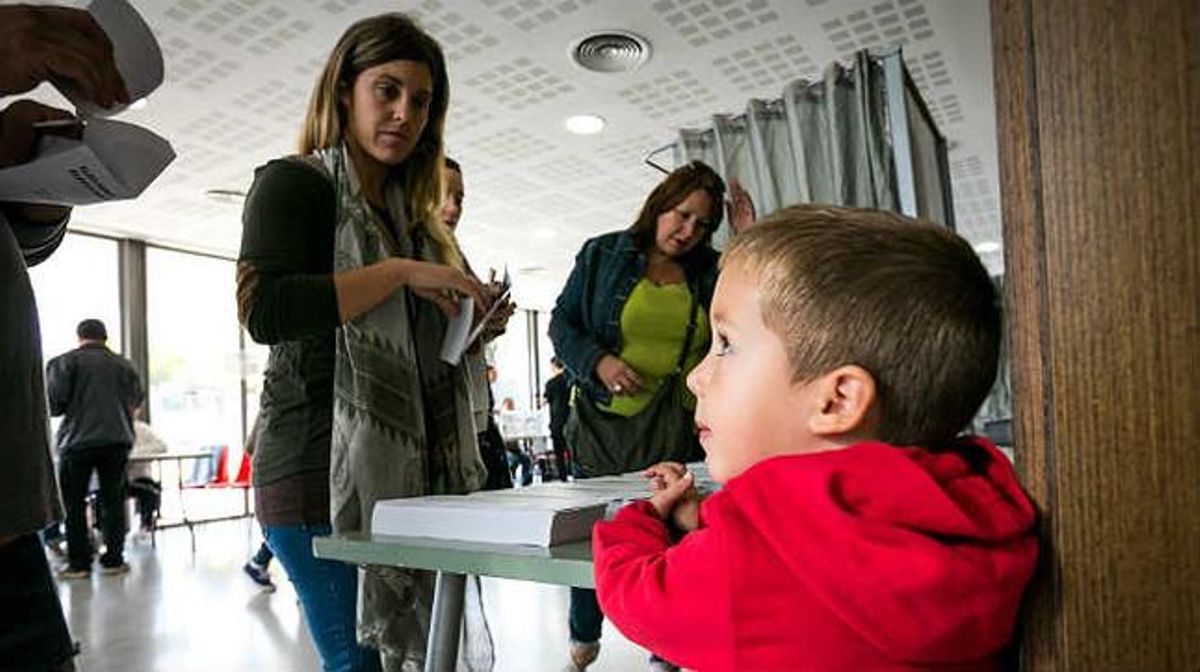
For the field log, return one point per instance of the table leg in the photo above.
(445, 626)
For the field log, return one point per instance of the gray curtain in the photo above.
(860, 136)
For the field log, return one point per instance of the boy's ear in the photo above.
(844, 402)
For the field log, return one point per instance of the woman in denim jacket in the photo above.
(623, 317)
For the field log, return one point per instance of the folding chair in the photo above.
(242, 480)
(205, 474)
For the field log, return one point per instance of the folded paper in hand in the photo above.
(459, 334)
(113, 160)
(135, 53)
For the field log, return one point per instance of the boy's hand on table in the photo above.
(675, 496)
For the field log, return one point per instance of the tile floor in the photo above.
(184, 612)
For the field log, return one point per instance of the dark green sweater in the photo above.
(287, 300)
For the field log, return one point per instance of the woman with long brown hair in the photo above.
(630, 323)
(347, 272)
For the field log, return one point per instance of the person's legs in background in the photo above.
(110, 467)
(491, 449)
(74, 472)
(586, 623)
(585, 619)
(147, 493)
(328, 592)
(53, 539)
(33, 632)
(518, 459)
(559, 443)
(256, 568)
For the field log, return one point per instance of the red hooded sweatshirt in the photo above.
(870, 557)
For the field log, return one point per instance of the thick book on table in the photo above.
(531, 516)
(540, 515)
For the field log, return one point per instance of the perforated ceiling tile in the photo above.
(611, 191)
(504, 185)
(338, 6)
(767, 65)
(566, 169)
(550, 203)
(901, 22)
(261, 29)
(530, 14)
(590, 221)
(630, 152)
(669, 95)
(196, 158)
(309, 70)
(520, 83)
(945, 109)
(976, 208)
(276, 99)
(966, 168)
(459, 37)
(703, 21)
(463, 116)
(195, 69)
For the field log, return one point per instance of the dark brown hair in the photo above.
(694, 176)
(906, 300)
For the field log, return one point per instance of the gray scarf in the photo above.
(402, 422)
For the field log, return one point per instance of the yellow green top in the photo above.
(653, 325)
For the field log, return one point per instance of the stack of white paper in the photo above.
(540, 515)
(537, 520)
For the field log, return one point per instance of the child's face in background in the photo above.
(748, 408)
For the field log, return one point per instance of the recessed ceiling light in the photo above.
(987, 247)
(584, 124)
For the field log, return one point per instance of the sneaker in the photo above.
(584, 654)
(72, 574)
(259, 575)
(57, 547)
(111, 570)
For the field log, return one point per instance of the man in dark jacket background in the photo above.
(96, 392)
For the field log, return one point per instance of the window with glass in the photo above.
(80, 280)
(196, 361)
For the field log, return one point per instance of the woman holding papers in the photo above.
(348, 272)
(630, 323)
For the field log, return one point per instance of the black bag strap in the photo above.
(691, 328)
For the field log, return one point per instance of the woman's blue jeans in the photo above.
(328, 592)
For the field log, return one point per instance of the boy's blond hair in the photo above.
(906, 300)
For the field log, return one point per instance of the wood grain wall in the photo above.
(1099, 133)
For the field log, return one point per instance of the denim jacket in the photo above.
(586, 322)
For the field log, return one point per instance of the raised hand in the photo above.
(739, 207)
(60, 45)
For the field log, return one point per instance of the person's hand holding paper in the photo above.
(465, 327)
(100, 59)
(60, 45)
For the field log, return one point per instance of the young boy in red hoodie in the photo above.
(855, 530)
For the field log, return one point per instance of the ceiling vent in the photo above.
(611, 51)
